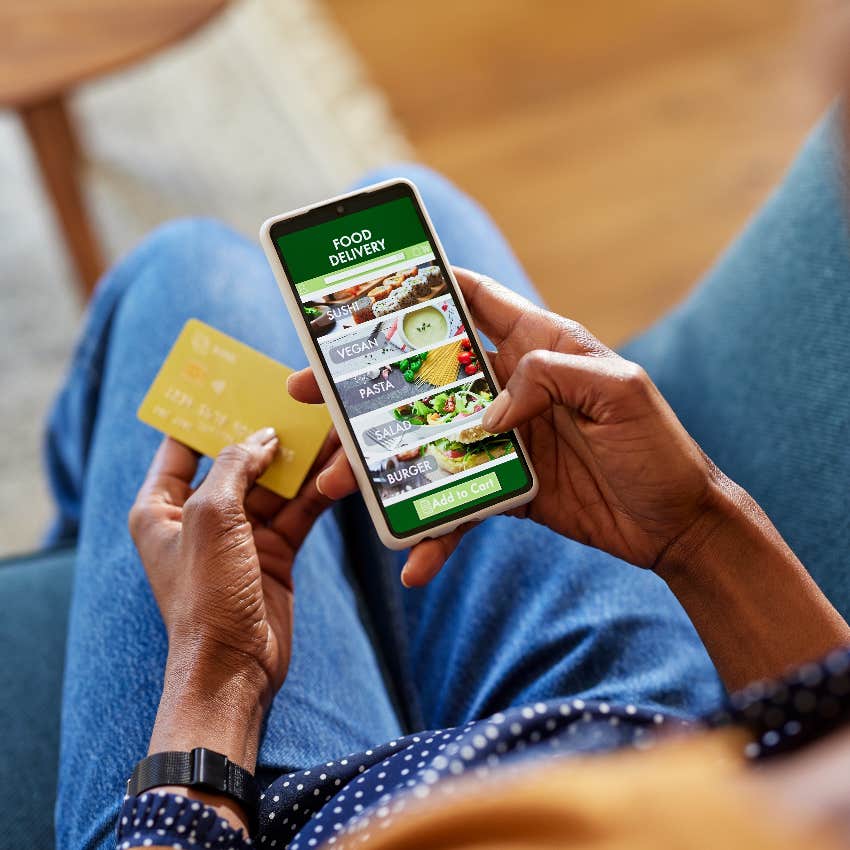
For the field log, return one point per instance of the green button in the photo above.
(460, 494)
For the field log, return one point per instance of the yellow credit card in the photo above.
(213, 390)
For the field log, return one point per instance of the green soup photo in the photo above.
(425, 327)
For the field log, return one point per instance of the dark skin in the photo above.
(228, 541)
(219, 560)
(618, 471)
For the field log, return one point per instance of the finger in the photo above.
(427, 558)
(262, 503)
(294, 520)
(336, 480)
(495, 308)
(302, 386)
(276, 554)
(167, 486)
(499, 366)
(286, 532)
(327, 451)
(593, 386)
(310, 501)
(515, 323)
(237, 467)
(171, 471)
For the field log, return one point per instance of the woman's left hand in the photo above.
(219, 558)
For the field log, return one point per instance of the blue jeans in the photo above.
(753, 362)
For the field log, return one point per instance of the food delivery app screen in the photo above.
(381, 310)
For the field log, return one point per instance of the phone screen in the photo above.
(394, 341)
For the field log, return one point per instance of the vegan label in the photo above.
(356, 348)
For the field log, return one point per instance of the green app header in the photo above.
(350, 241)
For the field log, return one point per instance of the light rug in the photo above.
(265, 109)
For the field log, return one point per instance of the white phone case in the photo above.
(388, 538)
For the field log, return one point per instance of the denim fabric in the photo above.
(334, 700)
(519, 614)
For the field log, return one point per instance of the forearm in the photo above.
(208, 704)
(219, 706)
(753, 603)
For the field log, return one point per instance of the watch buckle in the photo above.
(209, 769)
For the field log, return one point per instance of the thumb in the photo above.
(238, 466)
(591, 385)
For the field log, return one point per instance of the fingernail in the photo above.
(404, 577)
(496, 411)
(319, 478)
(263, 436)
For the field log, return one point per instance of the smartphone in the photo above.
(398, 360)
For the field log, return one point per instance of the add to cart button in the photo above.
(453, 497)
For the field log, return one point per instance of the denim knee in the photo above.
(197, 265)
(192, 239)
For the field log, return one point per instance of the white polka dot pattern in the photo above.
(786, 714)
(347, 800)
(342, 801)
(157, 818)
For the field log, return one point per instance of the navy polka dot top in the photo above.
(364, 792)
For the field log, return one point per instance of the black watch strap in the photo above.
(200, 768)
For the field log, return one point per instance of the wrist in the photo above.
(741, 584)
(728, 514)
(212, 701)
(210, 666)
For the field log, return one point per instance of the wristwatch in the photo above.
(200, 768)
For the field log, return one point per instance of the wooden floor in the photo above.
(620, 144)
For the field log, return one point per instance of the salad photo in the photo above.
(445, 407)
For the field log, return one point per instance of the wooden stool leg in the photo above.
(67, 131)
(52, 136)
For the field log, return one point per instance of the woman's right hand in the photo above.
(617, 469)
(619, 472)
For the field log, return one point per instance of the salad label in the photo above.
(387, 432)
(424, 418)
